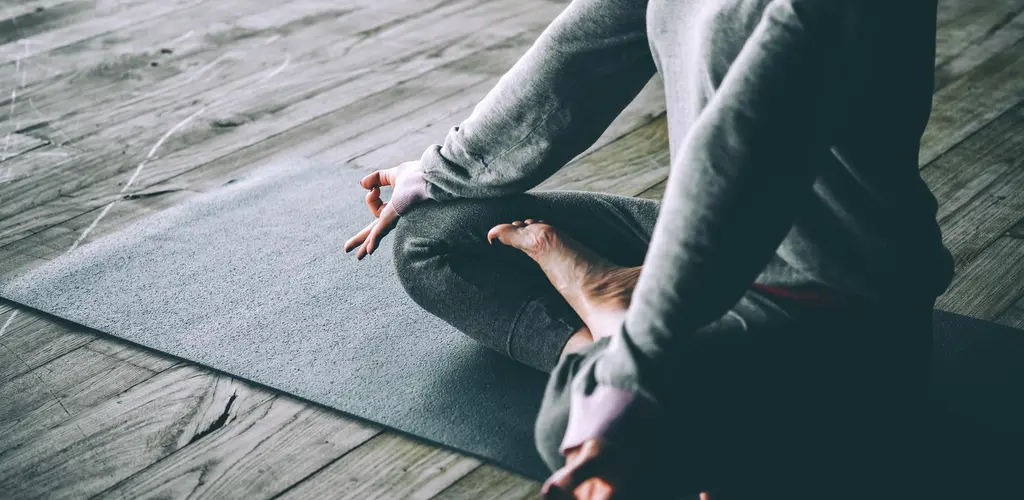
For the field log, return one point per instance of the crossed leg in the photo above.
(529, 290)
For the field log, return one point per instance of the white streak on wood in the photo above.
(182, 38)
(53, 124)
(287, 61)
(7, 323)
(206, 68)
(135, 175)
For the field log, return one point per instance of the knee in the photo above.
(415, 242)
(423, 240)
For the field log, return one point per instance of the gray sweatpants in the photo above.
(772, 373)
(496, 294)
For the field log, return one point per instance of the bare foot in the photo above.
(597, 290)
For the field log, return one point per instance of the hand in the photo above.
(588, 474)
(596, 471)
(369, 238)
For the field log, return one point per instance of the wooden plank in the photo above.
(334, 127)
(965, 106)
(127, 352)
(296, 88)
(990, 284)
(30, 22)
(977, 185)
(102, 445)
(56, 240)
(31, 340)
(70, 22)
(655, 192)
(627, 166)
(950, 11)
(12, 145)
(975, 39)
(12, 262)
(388, 466)
(360, 133)
(491, 483)
(25, 161)
(58, 391)
(61, 378)
(15, 9)
(1014, 315)
(117, 68)
(291, 438)
(124, 100)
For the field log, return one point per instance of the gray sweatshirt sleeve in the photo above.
(555, 102)
(731, 198)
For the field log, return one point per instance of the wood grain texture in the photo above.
(626, 167)
(31, 340)
(990, 284)
(978, 185)
(101, 446)
(59, 391)
(963, 107)
(491, 483)
(986, 28)
(126, 352)
(388, 466)
(242, 106)
(62, 379)
(68, 22)
(291, 438)
(13, 144)
(279, 105)
(1014, 314)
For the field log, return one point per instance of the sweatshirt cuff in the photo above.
(413, 190)
(609, 413)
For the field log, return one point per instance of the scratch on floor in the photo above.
(199, 72)
(41, 381)
(135, 175)
(282, 67)
(53, 123)
(3, 329)
(182, 38)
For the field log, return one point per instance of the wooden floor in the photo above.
(111, 110)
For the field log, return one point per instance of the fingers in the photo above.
(594, 489)
(359, 238)
(384, 224)
(374, 202)
(564, 481)
(380, 178)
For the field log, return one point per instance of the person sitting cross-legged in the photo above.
(762, 331)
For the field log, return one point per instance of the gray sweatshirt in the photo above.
(794, 129)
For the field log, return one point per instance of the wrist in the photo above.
(411, 190)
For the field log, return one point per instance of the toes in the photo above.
(500, 231)
(529, 221)
(518, 223)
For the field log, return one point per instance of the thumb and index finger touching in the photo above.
(369, 238)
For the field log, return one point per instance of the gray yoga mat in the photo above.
(251, 280)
